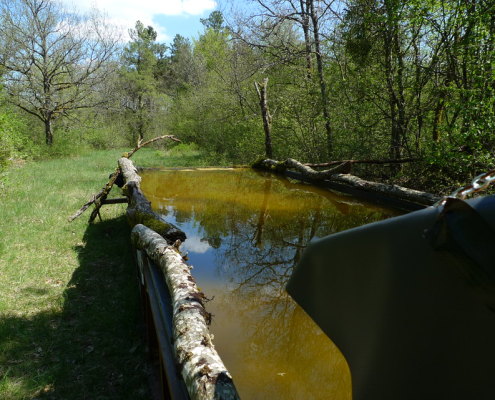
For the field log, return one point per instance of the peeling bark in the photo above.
(202, 369)
(140, 211)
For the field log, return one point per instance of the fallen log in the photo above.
(400, 197)
(416, 196)
(99, 198)
(290, 163)
(379, 162)
(201, 367)
(139, 210)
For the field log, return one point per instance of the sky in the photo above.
(167, 17)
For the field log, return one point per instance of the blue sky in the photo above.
(168, 17)
(185, 25)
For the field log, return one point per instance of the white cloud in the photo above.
(125, 13)
(195, 245)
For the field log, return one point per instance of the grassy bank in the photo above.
(69, 309)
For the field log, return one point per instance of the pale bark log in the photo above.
(139, 210)
(398, 192)
(330, 163)
(202, 369)
(99, 199)
(334, 175)
(304, 169)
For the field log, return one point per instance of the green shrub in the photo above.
(13, 142)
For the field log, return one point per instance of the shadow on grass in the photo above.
(93, 348)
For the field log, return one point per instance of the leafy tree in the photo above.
(12, 139)
(53, 59)
(140, 68)
(184, 69)
(214, 21)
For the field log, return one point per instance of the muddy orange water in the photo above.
(246, 231)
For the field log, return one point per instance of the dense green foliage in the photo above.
(347, 80)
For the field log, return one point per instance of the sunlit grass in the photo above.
(69, 309)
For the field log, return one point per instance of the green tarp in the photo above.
(409, 302)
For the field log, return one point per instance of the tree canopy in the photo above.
(351, 79)
(52, 59)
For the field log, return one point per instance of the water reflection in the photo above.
(246, 231)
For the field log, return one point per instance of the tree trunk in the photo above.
(265, 114)
(48, 131)
(140, 119)
(323, 85)
(304, 4)
(388, 47)
(201, 367)
(437, 119)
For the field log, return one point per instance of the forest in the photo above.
(315, 80)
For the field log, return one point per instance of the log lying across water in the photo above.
(202, 369)
(338, 179)
(139, 210)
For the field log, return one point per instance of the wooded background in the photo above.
(354, 79)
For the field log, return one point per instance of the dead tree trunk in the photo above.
(265, 114)
(201, 367)
(139, 210)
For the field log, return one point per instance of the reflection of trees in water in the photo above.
(279, 332)
(260, 228)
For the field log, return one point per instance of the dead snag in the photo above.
(201, 367)
(139, 210)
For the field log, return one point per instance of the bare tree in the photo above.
(53, 59)
(308, 16)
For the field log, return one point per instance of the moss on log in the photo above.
(139, 210)
(202, 369)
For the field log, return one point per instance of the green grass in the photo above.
(70, 324)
